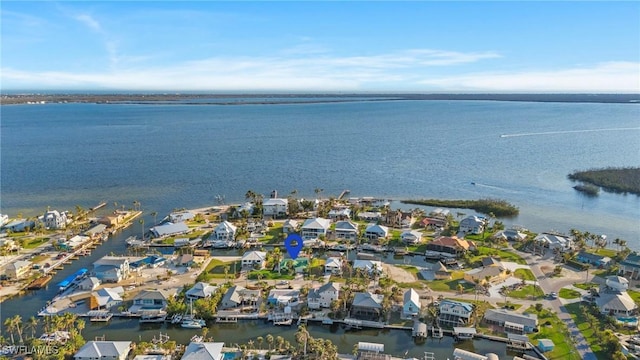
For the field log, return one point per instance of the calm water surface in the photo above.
(174, 156)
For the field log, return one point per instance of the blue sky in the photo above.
(321, 46)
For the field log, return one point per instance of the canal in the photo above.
(397, 342)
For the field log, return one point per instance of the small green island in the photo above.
(618, 180)
(497, 207)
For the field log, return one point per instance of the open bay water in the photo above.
(173, 155)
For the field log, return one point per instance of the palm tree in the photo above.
(205, 331)
(279, 342)
(270, 340)
(17, 324)
(8, 324)
(80, 325)
(141, 221)
(155, 218)
(260, 340)
(33, 325)
(302, 337)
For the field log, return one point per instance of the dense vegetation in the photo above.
(499, 208)
(622, 180)
(588, 189)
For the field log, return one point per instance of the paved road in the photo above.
(555, 285)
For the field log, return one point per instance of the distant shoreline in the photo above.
(281, 99)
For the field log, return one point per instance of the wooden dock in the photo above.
(39, 283)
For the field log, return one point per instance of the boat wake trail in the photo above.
(567, 132)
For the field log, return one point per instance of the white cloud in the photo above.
(606, 77)
(89, 21)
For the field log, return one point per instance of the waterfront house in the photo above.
(95, 232)
(454, 313)
(375, 232)
(411, 237)
(510, 321)
(200, 255)
(106, 298)
(169, 229)
(181, 216)
(283, 297)
(450, 246)
(411, 304)
(237, 297)
(486, 275)
(333, 266)
(151, 261)
(200, 290)
(111, 269)
(346, 230)
(399, 218)
(472, 225)
(73, 243)
(367, 306)
(369, 216)
(439, 271)
(554, 242)
(290, 226)
(18, 269)
(152, 357)
(372, 267)
(225, 231)
(89, 283)
(20, 225)
(433, 223)
(599, 261)
(149, 301)
(254, 260)
(275, 208)
(55, 220)
(630, 266)
(340, 213)
(315, 228)
(323, 296)
(104, 350)
(114, 220)
(510, 235)
(203, 351)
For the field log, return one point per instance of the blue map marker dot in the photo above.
(294, 244)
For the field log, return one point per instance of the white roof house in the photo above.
(411, 303)
(370, 266)
(253, 258)
(375, 231)
(275, 207)
(203, 351)
(313, 228)
(224, 231)
(617, 282)
(616, 303)
(104, 350)
(200, 290)
(472, 224)
(333, 265)
(169, 229)
(554, 241)
(411, 237)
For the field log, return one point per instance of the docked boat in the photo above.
(191, 324)
(154, 317)
(196, 338)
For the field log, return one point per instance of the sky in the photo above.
(327, 46)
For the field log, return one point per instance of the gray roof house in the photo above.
(411, 304)
(169, 229)
(512, 322)
(367, 306)
(323, 296)
(238, 296)
(630, 266)
(200, 290)
(203, 351)
(104, 350)
(346, 229)
(313, 228)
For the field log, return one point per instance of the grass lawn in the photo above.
(216, 268)
(34, 243)
(605, 252)
(568, 294)
(268, 275)
(411, 269)
(556, 331)
(524, 274)
(635, 295)
(586, 286)
(273, 235)
(502, 254)
(417, 248)
(526, 292)
(451, 284)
